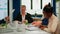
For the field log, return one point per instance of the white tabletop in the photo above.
(26, 32)
(13, 31)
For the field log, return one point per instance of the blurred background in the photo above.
(34, 7)
(58, 8)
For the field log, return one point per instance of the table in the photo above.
(13, 31)
(27, 32)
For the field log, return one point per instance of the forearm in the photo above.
(47, 30)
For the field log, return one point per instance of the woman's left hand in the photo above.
(37, 23)
(42, 27)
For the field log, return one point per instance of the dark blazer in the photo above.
(27, 17)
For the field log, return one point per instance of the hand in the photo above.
(24, 21)
(37, 23)
(7, 19)
(42, 27)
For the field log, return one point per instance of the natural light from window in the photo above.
(36, 5)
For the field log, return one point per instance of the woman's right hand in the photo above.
(37, 23)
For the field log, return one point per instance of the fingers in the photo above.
(33, 22)
(36, 23)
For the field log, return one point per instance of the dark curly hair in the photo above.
(48, 8)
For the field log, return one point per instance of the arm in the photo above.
(2, 21)
(5, 20)
(29, 18)
(53, 26)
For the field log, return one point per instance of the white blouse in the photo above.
(52, 25)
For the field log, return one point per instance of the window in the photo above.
(34, 6)
(3, 9)
(57, 9)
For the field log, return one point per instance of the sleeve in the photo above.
(29, 18)
(53, 26)
(46, 29)
(2, 21)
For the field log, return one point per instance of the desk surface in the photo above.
(26, 32)
(13, 31)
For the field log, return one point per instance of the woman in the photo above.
(52, 19)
